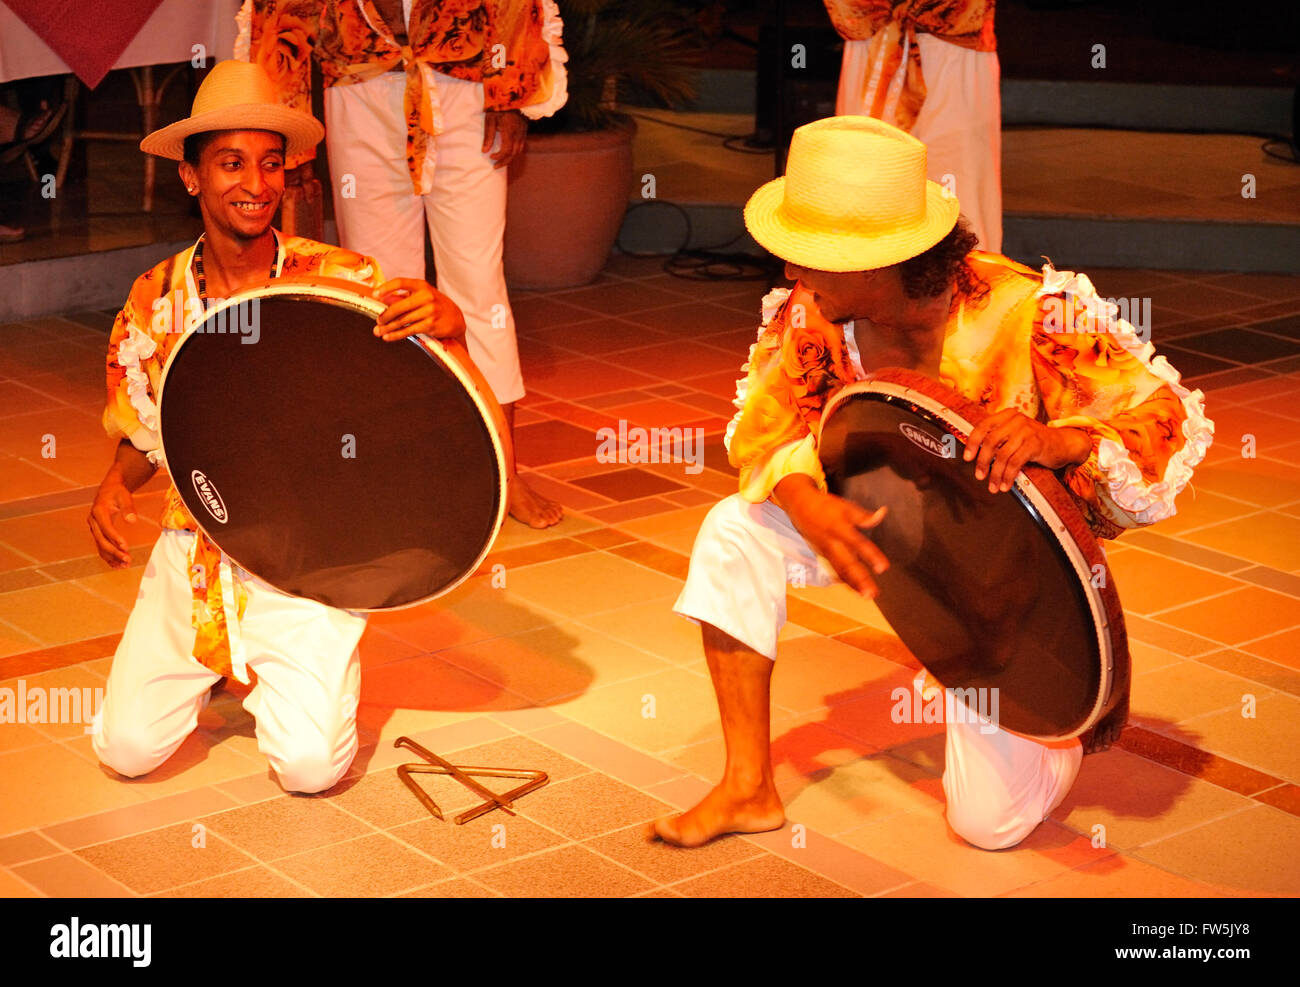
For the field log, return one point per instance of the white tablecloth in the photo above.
(168, 36)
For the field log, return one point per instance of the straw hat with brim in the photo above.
(854, 198)
(237, 96)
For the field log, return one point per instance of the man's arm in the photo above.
(130, 471)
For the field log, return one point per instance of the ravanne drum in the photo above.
(1006, 591)
(335, 466)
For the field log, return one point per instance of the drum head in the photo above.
(992, 592)
(329, 463)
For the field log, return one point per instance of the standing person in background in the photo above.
(930, 67)
(426, 102)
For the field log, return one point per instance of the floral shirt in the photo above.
(891, 27)
(163, 304)
(513, 47)
(1043, 344)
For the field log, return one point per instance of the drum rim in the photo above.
(1033, 498)
(349, 294)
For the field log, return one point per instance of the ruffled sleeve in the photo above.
(131, 412)
(553, 89)
(797, 364)
(1094, 373)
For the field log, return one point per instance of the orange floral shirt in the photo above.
(163, 304)
(889, 24)
(511, 46)
(1044, 344)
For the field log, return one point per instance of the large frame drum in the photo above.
(364, 474)
(990, 591)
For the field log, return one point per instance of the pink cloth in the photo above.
(61, 24)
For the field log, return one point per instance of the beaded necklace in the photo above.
(203, 281)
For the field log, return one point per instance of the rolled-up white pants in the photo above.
(379, 214)
(303, 653)
(1000, 786)
(960, 121)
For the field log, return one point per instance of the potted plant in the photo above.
(569, 190)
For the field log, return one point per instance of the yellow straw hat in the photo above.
(237, 96)
(854, 198)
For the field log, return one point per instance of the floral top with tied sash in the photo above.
(891, 26)
(164, 303)
(513, 47)
(1044, 344)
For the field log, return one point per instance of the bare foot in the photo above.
(530, 507)
(720, 812)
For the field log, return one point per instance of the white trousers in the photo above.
(960, 121)
(379, 214)
(999, 785)
(303, 653)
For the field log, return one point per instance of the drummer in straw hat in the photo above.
(887, 276)
(197, 618)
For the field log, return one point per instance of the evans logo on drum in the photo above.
(945, 448)
(208, 494)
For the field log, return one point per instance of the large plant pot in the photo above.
(568, 193)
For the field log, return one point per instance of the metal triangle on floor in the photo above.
(466, 774)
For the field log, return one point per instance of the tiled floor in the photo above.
(576, 666)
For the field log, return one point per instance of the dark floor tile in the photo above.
(1192, 364)
(1241, 345)
(626, 484)
(553, 442)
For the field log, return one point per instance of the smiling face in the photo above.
(239, 181)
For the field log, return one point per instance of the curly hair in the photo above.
(929, 274)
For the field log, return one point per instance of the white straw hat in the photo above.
(854, 198)
(237, 96)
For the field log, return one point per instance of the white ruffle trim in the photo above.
(244, 39)
(131, 354)
(771, 304)
(1152, 502)
(553, 35)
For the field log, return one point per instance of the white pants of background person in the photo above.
(303, 653)
(365, 134)
(1000, 786)
(960, 121)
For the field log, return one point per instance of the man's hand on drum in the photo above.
(415, 306)
(833, 527)
(1005, 441)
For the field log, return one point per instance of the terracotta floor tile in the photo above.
(1139, 802)
(12, 887)
(540, 312)
(49, 784)
(599, 336)
(1237, 616)
(682, 703)
(548, 664)
(814, 672)
(17, 736)
(68, 876)
(1248, 852)
(1202, 509)
(590, 805)
(1283, 648)
(553, 441)
(458, 887)
(628, 484)
(1268, 741)
(692, 319)
(487, 841)
(1168, 638)
(427, 682)
(1269, 538)
(1147, 582)
(622, 297)
(764, 877)
(921, 844)
(1180, 692)
(134, 819)
(380, 798)
(22, 479)
(1257, 481)
(25, 435)
(568, 872)
(22, 847)
(367, 867)
(1266, 673)
(838, 798)
(1118, 876)
(285, 826)
(251, 882)
(165, 858)
(1240, 345)
(58, 535)
(576, 379)
(589, 584)
(474, 611)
